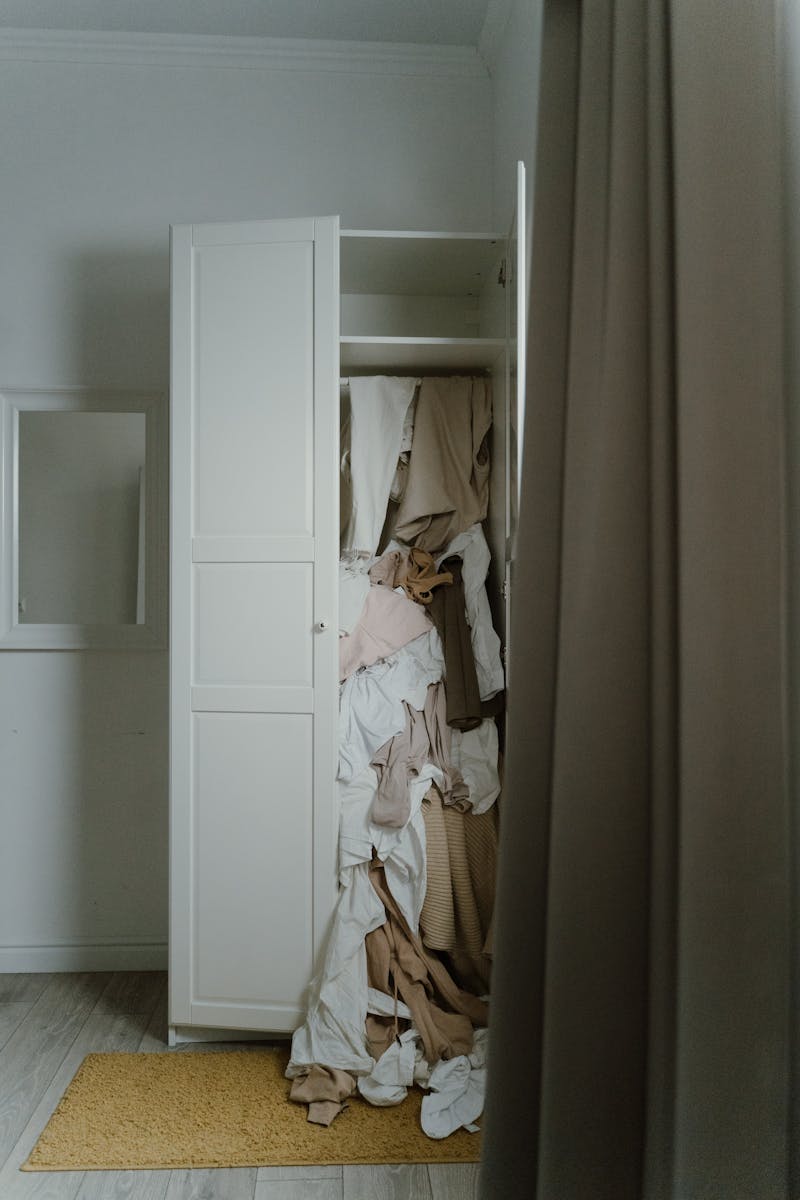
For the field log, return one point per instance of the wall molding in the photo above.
(85, 956)
(239, 53)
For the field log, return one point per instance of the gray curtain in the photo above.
(641, 1042)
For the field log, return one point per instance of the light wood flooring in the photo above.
(49, 1022)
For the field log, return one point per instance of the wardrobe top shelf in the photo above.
(385, 355)
(412, 263)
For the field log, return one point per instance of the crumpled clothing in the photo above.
(413, 570)
(471, 546)
(398, 763)
(387, 622)
(474, 752)
(448, 475)
(371, 701)
(398, 962)
(323, 1089)
(457, 1092)
(333, 1032)
(393, 1073)
(402, 851)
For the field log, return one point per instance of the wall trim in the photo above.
(84, 956)
(240, 53)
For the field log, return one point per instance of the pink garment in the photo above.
(387, 622)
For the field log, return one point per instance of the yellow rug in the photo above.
(150, 1111)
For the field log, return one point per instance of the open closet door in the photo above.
(255, 327)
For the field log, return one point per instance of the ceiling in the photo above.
(437, 22)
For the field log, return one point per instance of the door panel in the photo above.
(253, 617)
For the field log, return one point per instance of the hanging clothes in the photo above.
(378, 406)
(448, 612)
(448, 474)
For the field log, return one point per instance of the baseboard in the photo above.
(84, 956)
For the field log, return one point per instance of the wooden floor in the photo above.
(49, 1022)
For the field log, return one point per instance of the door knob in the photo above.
(322, 626)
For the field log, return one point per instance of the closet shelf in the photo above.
(429, 353)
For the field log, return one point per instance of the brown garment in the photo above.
(413, 570)
(398, 964)
(382, 1031)
(448, 475)
(449, 614)
(426, 738)
(323, 1089)
(459, 900)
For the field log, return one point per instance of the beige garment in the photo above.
(448, 476)
(459, 899)
(323, 1089)
(426, 738)
(413, 570)
(398, 964)
(387, 622)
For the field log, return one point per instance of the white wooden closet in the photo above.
(266, 318)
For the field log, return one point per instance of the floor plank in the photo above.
(395, 1182)
(234, 1183)
(22, 986)
(98, 1034)
(154, 1040)
(132, 992)
(11, 1016)
(124, 1185)
(36, 1049)
(271, 1174)
(299, 1189)
(454, 1181)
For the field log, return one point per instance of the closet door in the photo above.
(253, 617)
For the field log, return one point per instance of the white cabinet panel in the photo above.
(253, 858)
(253, 360)
(252, 624)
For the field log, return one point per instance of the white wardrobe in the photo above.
(267, 316)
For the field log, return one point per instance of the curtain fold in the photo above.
(640, 1015)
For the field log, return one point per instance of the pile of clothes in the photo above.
(401, 998)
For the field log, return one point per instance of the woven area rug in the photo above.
(149, 1111)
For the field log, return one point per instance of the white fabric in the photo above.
(457, 1091)
(393, 1073)
(378, 406)
(475, 556)
(334, 1029)
(475, 753)
(381, 1005)
(371, 701)
(354, 586)
(402, 851)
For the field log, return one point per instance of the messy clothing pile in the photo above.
(401, 998)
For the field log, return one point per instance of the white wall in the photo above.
(97, 161)
(513, 61)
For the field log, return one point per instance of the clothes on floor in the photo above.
(449, 615)
(448, 474)
(378, 406)
(387, 622)
(323, 1089)
(371, 701)
(398, 963)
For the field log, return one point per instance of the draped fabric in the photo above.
(640, 1039)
